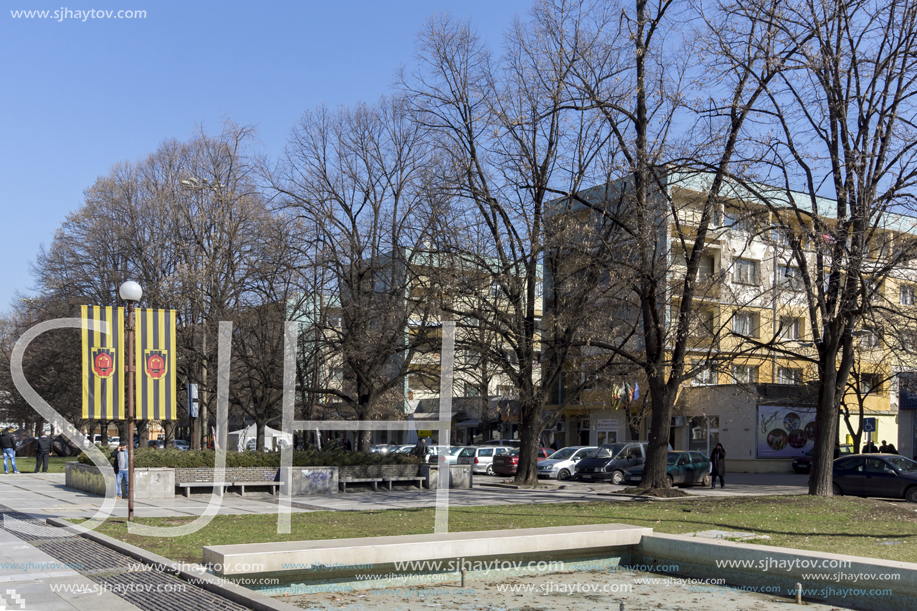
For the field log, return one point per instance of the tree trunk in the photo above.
(821, 482)
(654, 474)
(259, 439)
(530, 435)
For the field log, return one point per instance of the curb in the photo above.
(520, 487)
(206, 581)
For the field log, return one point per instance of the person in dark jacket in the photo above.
(718, 465)
(122, 474)
(42, 452)
(8, 445)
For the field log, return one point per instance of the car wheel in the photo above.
(671, 481)
(563, 474)
(837, 490)
(911, 495)
(490, 469)
(708, 479)
(617, 477)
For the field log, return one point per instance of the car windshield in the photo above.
(563, 454)
(455, 450)
(609, 451)
(466, 452)
(903, 464)
(673, 456)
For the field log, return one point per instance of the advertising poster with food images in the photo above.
(785, 432)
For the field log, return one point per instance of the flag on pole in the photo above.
(155, 398)
(103, 363)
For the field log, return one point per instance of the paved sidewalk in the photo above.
(45, 495)
(27, 575)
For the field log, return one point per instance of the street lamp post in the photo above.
(130, 292)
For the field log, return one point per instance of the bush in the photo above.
(334, 457)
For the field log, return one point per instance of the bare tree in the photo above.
(358, 181)
(844, 129)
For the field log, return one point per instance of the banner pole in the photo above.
(131, 368)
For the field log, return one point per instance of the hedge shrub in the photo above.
(154, 457)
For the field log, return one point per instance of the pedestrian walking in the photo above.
(122, 474)
(718, 465)
(870, 448)
(891, 449)
(8, 445)
(883, 448)
(42, 452)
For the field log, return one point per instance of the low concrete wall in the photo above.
(312, 480)
(460, 476)
(149, 483)
(278, 556)
(847, 581)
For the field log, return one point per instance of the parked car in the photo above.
(481, 458)
(513, 443)
(113, 442)
(508, 463)
(405, 449)
(452, 453)
(803, 464)
(882, 475)
(180, 444)
(382, 448)
(682, 469)
(560, 464)
(610, 461)
(154, 443)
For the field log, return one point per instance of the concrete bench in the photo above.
(186, 487)
(360, 480)
(418, 481)
(274, 485)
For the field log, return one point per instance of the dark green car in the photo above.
(682, 469)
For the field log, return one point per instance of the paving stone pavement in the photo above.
(43, 568)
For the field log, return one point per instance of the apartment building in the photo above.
(751, 356)
(431, 289)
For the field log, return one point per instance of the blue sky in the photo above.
(82, 95)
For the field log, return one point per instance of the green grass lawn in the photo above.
(841, 525)
(26, 464)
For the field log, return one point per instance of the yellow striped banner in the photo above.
(103, 363)
(155, 354)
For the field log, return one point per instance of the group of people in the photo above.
(885, 448)
(8, 445)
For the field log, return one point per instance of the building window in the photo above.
(790, 277)
(743, 323)
(706, 376)
(706, 267)
(778, 237)
(907, 294)
(870, 338)
(789, 375)
(745, 374)
(869, 383)
(746, 271)
(737, 220)
(703, 324)
(790, 328)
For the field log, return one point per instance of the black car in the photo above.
(882, 475)
(610, 461)
(803, 464)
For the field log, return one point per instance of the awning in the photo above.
(468, 424)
